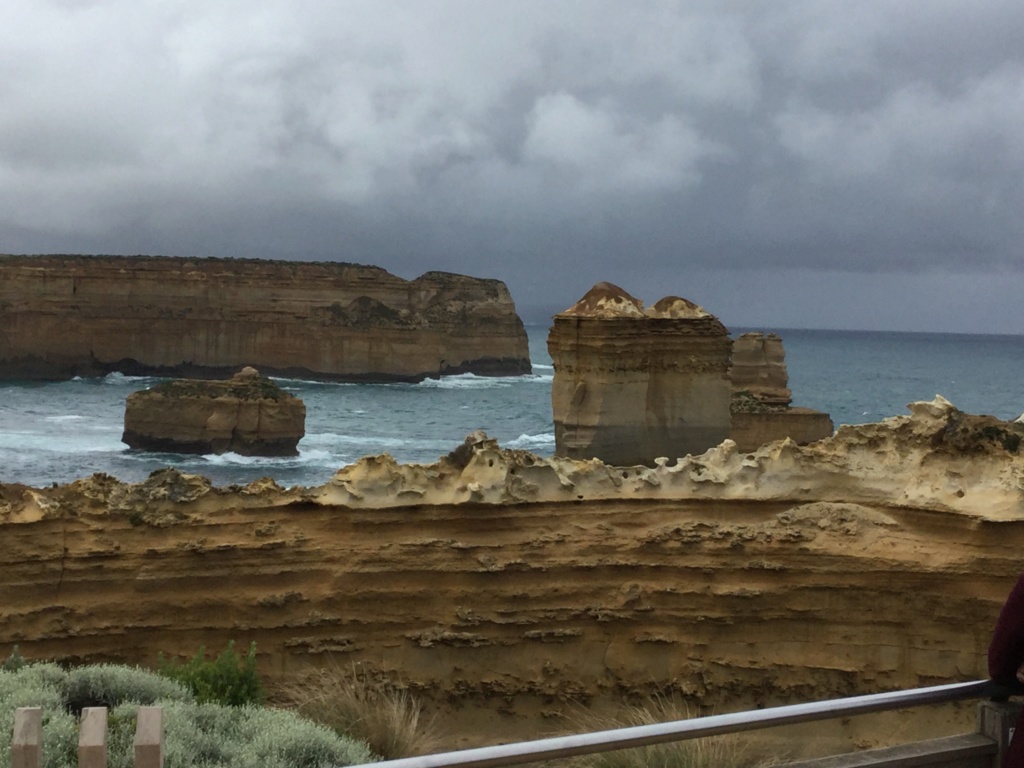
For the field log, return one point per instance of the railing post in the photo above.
(149, 738)
(92, 738)
(996, 720)
(27, 742)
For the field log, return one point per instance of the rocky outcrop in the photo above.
(64, 316)
(633, 383)
(761, 411)
(247, 414)
(758, 369)
(510, 589)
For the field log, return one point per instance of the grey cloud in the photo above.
(549, 144)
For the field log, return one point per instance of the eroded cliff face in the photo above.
(501, 584)
(62, 316)
(633, 383)
(761, 411)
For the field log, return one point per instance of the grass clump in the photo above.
(726, 751)
(368, 707)
(228, 679)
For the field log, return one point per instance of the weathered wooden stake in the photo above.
(149, 738)
(92, 738)
(27, 744)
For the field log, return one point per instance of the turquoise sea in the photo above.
(57, 432)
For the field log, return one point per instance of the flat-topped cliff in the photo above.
(64, 316)
(506, 586)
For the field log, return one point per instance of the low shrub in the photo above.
(228, 679)
(195, 735)
(107, 685)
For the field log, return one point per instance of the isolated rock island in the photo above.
(247, 414)
(66, 316)
(633, 384)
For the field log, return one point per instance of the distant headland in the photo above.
(63, 316)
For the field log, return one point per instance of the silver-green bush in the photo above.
(195, 735)
(107, 685)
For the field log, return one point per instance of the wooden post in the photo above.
(27, 744)
(92, 738)
(149, 738)
(996, 720)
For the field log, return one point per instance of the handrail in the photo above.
(645, 735)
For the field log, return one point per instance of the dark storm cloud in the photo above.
(549, 144)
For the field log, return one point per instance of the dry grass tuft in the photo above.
(356, 702)
(728, 751)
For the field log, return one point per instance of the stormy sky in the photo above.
(784, 164)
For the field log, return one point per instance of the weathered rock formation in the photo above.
(64, 316)
(632, 383)
(761, 411)
(247, 414)
(759, 369)
(509, 589)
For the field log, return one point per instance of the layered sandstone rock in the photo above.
(247, 414)
(510, 589)
(759, 369)
(761, 411)
(632, 383)
(62, 316)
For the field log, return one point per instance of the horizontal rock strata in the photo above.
(247, 414)
(64, 316)
(495, 581)
(761, 398)
(635, 383)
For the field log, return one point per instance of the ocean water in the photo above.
(58, 432)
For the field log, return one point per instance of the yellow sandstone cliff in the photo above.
(63, 316)
(498, 582)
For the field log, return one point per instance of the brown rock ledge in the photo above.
(511, 590)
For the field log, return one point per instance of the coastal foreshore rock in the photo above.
(247, 414)
(509, 590)
(65, 316)
(634, 383)
(761, 410)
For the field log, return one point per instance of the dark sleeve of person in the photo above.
(1006, 651)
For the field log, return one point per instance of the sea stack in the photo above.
(248, 414)
(633, 384)
(761, 411)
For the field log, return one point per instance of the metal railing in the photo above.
(715, 725)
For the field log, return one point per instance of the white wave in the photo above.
(63, 418)
(468, 381)
(304, 457)
(117, 377)
(544, 367)
(369, 442)
(530, 442)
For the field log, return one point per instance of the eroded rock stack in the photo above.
(633, 384)
(65, 316)
(761, 397)
(248, 415)
(759, 369)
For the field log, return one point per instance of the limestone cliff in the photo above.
(503, 585)
(246, 414)
(634, 383)
(62, 316)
